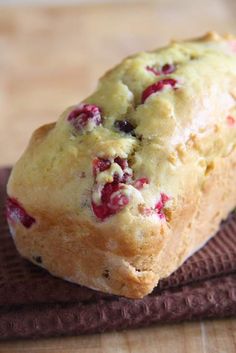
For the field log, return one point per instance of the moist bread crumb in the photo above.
(129, 183)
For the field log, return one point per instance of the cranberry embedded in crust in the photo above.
(108, 190)
(118, 201)
(231, 121)
(127, 176)
(113, 200)
(111, 197)
(161, 204)
(158, 209)
(85, 117)
(101, 211)
(124, 126)
(122, 162)
(100, 164)
(15, 212)
(168, 69)
(154, 70)
(165, 70)
(157, 87)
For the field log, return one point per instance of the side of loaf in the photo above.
(129, 183)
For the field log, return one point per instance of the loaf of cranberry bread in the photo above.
(129, 183)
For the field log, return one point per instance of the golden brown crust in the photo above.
(68, 258)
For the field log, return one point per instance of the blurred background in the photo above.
(53, 52)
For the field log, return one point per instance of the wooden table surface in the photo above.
(51, 58)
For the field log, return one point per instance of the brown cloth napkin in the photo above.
(35, 304)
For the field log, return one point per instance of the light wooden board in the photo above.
(208, 337)
(51, 58)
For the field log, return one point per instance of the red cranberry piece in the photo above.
(165, 70)
(101, 211)
(118, 201)
(124, 180)
(116, 178)
(112, 201)
(139, 183)
(124, 126)
(161, 204)
(83, 114)
(122, 162)
(168, 69)
(108, 190)
(100, 164)
(157, 87)
(164, 198)
(154, 70)
(231, 121)
(127, 178)
(15, 212)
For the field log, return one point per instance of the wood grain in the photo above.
(51, 58)
(210, 336)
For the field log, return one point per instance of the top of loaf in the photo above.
(131, 147)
